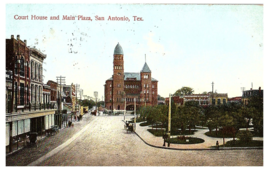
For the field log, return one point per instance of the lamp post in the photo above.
(96, 95)
(169, 117)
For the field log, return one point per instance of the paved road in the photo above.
(104, 142)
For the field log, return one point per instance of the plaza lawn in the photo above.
(219, 134)
(238, 143)
(160, 132)
(145, 124)
(188, 140)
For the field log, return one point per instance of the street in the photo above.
(104, 142)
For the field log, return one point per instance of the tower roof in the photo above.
(118, 49)
(146, 68)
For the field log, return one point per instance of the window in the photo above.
(147, 91)
(110, 92)
(224, 101)
(213, 101)
(22, 67)
(27, 69)
(144, 86)
(153, 92)
(16, 65)
(35, 73)
(147, 85)
(32, 70)
(110, 85)
(21, 94)
(152, 86)
(218, 101)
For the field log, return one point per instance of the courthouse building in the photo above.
(129, 85)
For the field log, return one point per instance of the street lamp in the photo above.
(96, 95)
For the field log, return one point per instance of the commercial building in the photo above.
(25, 111)
(249, 93)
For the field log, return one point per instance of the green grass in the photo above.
(239, 143)
(159, 132)
(191, 140)
(145, 124)
(219, 134)
(156, 132)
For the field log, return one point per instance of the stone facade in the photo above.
(127, 86)
(37, 58)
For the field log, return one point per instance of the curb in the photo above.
(199, 149)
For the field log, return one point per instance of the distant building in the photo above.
(202, 99)
(217, 98)
(235, 100)
(129, 85)
(53, 86)
(176, 99)
(249, 93)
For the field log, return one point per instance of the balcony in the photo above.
(21, 112)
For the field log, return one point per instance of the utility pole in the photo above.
(212, 93)
(76, 105)
(60, 81)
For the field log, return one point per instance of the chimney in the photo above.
(12, 36)
(250, 88)
(259, 88)
(25, 41)
(18, 37)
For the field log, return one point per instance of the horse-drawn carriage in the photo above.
(128, 126)
(94, 112)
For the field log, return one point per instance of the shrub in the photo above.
(244, 136)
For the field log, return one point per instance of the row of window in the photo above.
(36, 71)
(118, 58)
(21, 69)
(129, 99)
(131, 86)
(21, 89)
(118, 67)
(218, 101)
(146, 76)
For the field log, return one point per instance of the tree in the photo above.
(184, 91)
(256, 102)
(160, 98)
(227, 123)
(204, 92)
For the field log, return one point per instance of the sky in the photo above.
(185, 45)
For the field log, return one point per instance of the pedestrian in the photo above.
(217, 145)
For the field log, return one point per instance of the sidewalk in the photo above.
(28, 155)
(209, 143)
